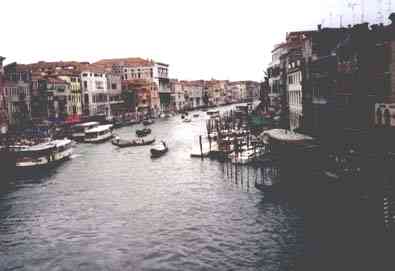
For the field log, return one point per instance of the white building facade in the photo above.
(95, 94)
(295, 98)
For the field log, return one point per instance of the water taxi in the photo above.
(99, 134)
(78, 131)
(159, 150)
(43, 154)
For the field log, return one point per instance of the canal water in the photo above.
(118, 209)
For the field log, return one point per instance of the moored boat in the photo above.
(99, 134)
(122, 143)
(159, 150)
(43, 154)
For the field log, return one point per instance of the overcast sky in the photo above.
(200, 39)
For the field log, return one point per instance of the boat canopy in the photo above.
(86, 124)
(100, 128)
(285, 135)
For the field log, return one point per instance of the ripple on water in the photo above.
(117, 209)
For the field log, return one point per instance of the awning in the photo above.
(73, 119)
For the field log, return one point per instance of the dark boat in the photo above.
(122, 143)
(148, 121)
(131, 122)
(143, 132)
(159, 150)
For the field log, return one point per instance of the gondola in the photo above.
(159, 150)
(143, 132)
(122, 143)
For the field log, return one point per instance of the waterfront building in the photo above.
(95, 94)
(17, 94)
(177, 95)
(217, 92)
(67, 71)
(58, 92)
(39, 99)
(234, 91)
(74, 103)
(17, 100)
(3, 104)
(253, 90)
(294, 89)
(142, 69)
(194, 93)
(385, 105)
(275, 74)
(114, 86)
(139, 93)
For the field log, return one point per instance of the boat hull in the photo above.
(126, 143)
(99, 139)
(158, 153)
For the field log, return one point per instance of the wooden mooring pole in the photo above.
(201, 147)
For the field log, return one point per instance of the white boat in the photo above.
(78, 131)
(43, 154)
(98, 134)
(245, 156)
(186, 119)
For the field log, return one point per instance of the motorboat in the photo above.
(122, 143)
(148, 122)
(143, 132)
(159, 150)
(99, 134)
(78, 131)
(43, 154)
(186, 119)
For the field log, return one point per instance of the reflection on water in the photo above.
(117, 209)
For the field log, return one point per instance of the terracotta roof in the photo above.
(93, 68)
(55, 80)
(132, 62)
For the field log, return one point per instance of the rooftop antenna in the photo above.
(352, 6)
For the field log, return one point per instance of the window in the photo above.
(99, 85)
(85, 84)
(113, 86)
